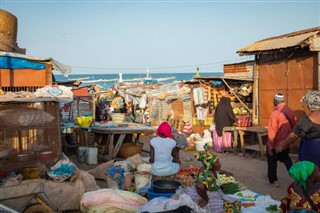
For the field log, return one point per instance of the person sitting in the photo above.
(303, 194)
(164, 155)
(206, 191)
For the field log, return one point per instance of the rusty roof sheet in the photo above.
(280, 42)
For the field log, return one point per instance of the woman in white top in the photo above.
(164, 155)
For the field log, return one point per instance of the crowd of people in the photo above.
(302, 195)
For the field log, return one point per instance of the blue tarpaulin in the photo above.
(19, 63)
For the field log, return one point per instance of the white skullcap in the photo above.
(279, 97)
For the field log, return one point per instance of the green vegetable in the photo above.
(231, 188)
(272, 208)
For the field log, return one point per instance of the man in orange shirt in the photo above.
(281, 123)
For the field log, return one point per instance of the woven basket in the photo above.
(129, 149)
(118, 117)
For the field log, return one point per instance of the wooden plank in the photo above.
(111, 145)
(118, 144)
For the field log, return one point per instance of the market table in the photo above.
(260, 131)
(122, 130)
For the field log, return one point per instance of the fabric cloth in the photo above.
(218, 202)
(300, 172)
(198, 96)
(218, 143)
(201, 113)
(207, 177)
(272, 163)
(223, 115)
(281, 123)
(312, 99)
(309, 132)
(163, 165)
(296, 201)
(164, 129)
(187, 128)
(116, 174)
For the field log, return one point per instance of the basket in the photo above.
(118, 117)
(129, 149)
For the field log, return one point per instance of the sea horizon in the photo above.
(108, 80)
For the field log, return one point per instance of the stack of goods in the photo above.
(244, 119)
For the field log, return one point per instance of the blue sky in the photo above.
(166, 36)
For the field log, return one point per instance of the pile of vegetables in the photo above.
(185, 175)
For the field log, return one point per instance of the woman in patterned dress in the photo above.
(306, 184)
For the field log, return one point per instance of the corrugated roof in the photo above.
(298, 38)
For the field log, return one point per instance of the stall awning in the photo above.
(33, 62)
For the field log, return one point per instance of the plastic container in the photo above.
(199, 145)
(151, 194)
(92, 155)
(125, 165)
(141, 180)
(84, 122)
(82, 154)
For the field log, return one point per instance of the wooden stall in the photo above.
(288, 64)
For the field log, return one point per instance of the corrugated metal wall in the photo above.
(291, 77)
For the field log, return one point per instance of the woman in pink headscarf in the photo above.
(164, 155)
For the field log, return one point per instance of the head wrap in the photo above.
(312, 100)
(300, 172)
(164, 129)
(279, 97)
(206, 176)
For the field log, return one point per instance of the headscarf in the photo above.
(312, 100)
(300, 172)
(164, 129)
(206, 176)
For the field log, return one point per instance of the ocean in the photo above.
(108, 80)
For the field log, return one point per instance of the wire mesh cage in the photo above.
(29, 134)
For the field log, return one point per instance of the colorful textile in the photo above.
(217, 200)
(218, 144)
(312, 99)
(117, 174)
(164, 129)
(198, 96)
(207, 177)
(300, 172)
(295, 201)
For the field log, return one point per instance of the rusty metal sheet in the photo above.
(293, 78)
(279, 42)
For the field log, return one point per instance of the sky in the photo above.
(101, 36)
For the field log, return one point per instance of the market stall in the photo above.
(109, 148)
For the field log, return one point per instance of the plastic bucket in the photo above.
(199, 145)
(141, 180)
(125, 165)
(92, 155)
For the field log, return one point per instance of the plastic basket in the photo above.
(129, 149)
(118, 117)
